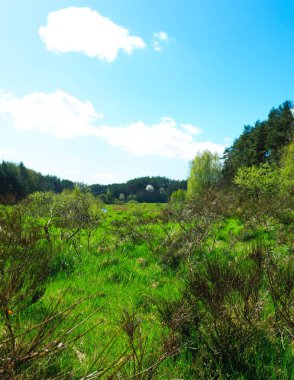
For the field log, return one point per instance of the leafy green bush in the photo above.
(258, 180)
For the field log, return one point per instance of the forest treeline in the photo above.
(159, 190)
(258, 144)
(17, 182)
(261, 143)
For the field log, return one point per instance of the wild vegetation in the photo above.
(201, 287)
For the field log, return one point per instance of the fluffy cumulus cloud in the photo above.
(65, 116)
(165, 139)
(158, 39)
(85, 30)
(57, 113)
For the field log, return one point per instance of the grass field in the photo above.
(132, 271)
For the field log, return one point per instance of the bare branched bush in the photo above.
(25, 261)
(143, 363)
(187, 228)
(280, 280)
(33, 350)
(71, 212)
(225, 313)
(25, 266)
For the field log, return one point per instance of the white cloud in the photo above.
(164, 139)
(156, 46)
(57, 113)
(158, 38)
(162, 36)
(85, 30)
(193, 130)
(65, 116)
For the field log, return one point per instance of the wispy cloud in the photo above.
(65, 116)
(158, 39)
(85, 30)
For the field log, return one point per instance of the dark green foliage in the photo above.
(16, 182)
(261, 143)
(135, 189)
(11, 185)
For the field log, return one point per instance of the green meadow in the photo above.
(150, 291)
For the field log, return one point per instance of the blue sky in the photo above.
(108, 90)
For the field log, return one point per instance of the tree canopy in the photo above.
(205, 172)
(135, 189)
(17, 182)
(261, 143)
